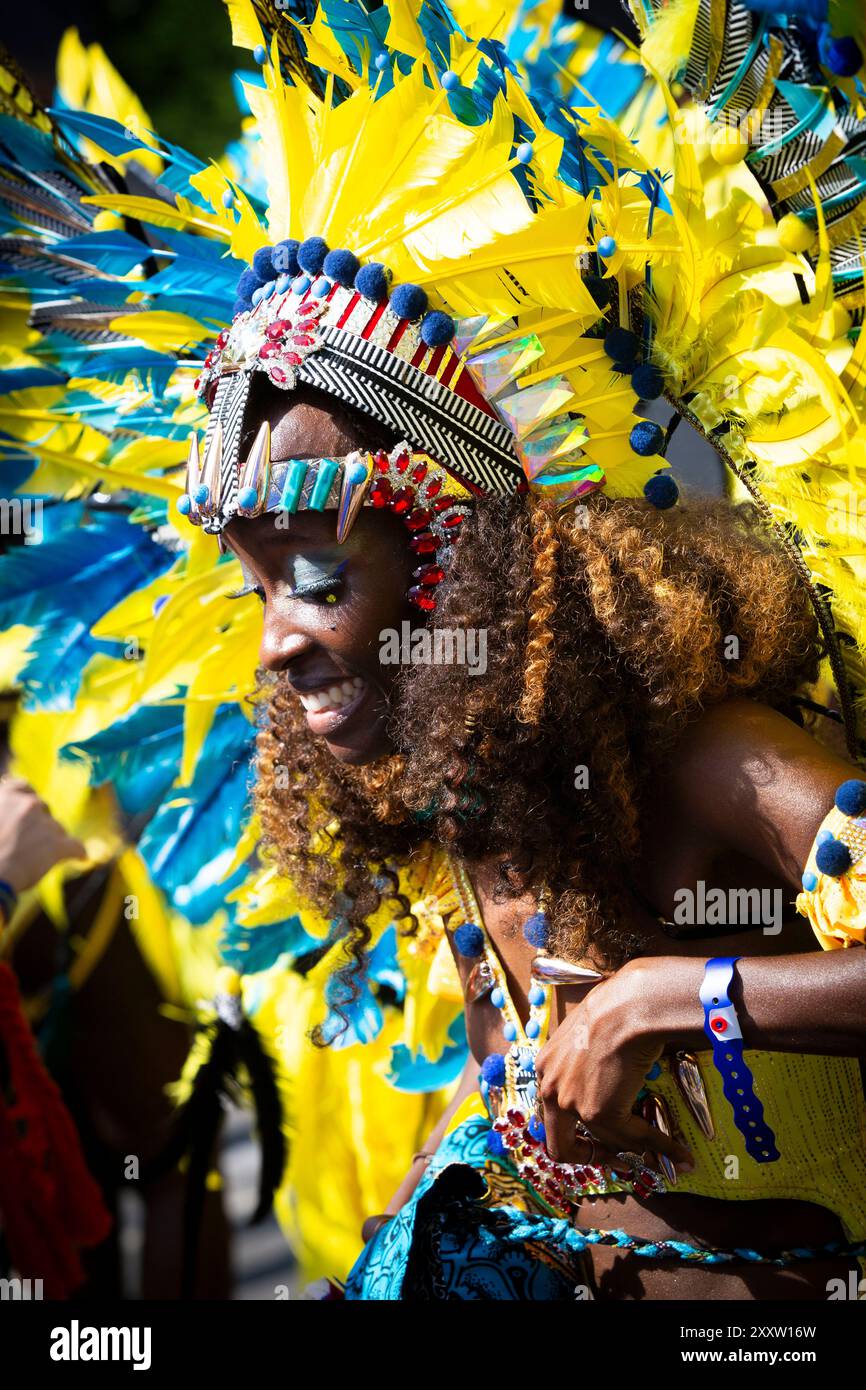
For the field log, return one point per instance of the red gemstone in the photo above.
(442, 503)
(196, 386)
(222, 339)
(277, 329)
(308, 307)
(208, 361)
(424, 544)
(302, 340)
(403, 500)
(293, 358)
(419, 473)
(434, 486)
(380, 492)
(419, 518)
(429, 574)
(453, 522)
(270, 350)
(422, 599)
(277, 374)
(401, 463)
(382, 462)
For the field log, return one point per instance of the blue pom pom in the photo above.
(621, 345)
(263, 263)
(810, 881)
(248, 282)
(833, 858)
(240, 306)
(536, 930)
(450, 81)
(469, 939)
(342, 266)
(300, 284)
(606, 247)
(372, 281)
(647, 381)
(646, 438)
(247, 497)
(524, 152)
(842, 56)
(184, 504)
(285, 256)
(437, 328)
(382, 61)
(409, 301)
(493, 1069)
(661, 491)
(201, 494)
(228, 199)
(495, 1145)
(312, 253)
(851, 797)
(260, 54)
(536, 1128)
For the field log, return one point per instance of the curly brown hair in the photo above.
(607, 633)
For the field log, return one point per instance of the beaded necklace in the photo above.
(508, 1081)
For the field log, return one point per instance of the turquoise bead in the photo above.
(810, 881)
(497, 998)
(328, 469)
(201, 494)
(510, 1032)
(184, 504)
(293, 485)
(247, 498)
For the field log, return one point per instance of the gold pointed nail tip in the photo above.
(211, 473)
(655, 1112)
(693, 1091)
(256, 472)
(352, 493)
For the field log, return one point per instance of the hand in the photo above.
(31, 841)
(594, 1065)
(373, 1224)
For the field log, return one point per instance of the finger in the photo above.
(71, 848)
(634, 1135)
(372, 1225)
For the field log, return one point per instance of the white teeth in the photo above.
(335, 697)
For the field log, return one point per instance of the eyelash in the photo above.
(328, 589)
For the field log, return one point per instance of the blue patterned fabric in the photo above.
(446, 1244)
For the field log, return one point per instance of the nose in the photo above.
(282, 642)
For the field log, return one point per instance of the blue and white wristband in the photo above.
(723, 1029)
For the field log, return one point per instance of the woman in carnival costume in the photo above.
(425, 425)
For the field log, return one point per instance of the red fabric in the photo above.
(50, 1205)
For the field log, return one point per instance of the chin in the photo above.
(357, 752)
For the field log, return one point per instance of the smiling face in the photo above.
(325, 604)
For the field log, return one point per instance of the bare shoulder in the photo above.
(754, 780)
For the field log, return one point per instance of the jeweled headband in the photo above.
(307, 314)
